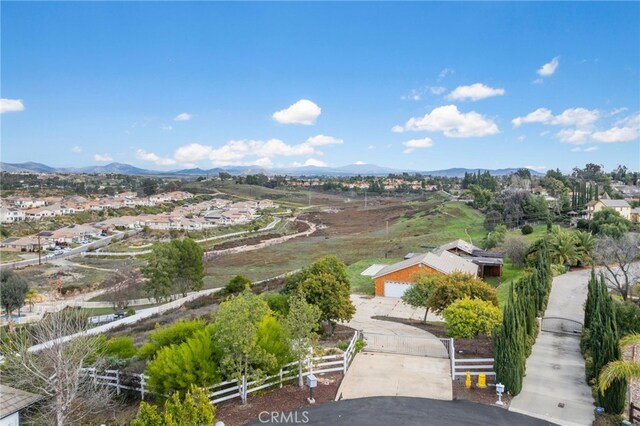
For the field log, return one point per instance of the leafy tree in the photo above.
(450, 288)
(237, 284)
(273, 339)
(32, 297)
(609, 222)
(481, 197)
(301, 323)
(330, 265)
(536, 207)
(417, 295)
(627, 318)
(496, 237)
(516, 249)
(176, 367)
(331, 295)
(160, 271)
(149, 186)
(190, 269)
(193, 409)
(491, 220)
(236, 334)
(278, 303)
(466, 318)
(13, 291)
(173, 334)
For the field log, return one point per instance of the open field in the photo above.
(353, 234)
(12, 256)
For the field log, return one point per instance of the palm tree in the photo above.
(562, 246)
(585, 243)
(620, 370)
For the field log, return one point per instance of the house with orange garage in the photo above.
(394, 280)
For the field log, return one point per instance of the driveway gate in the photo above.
(561, 325)
(407, 345)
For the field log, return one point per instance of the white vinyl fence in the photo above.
(475, 366)
(239, 389)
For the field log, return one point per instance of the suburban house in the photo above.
(25, 203)
(11, 215)
(394, 280)
(489, 263)
(12, 401)
(38, 213)
(26, 243)
(621, 206)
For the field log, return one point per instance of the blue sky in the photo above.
(418, 86)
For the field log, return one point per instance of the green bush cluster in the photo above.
(174, 334)
(526, 230)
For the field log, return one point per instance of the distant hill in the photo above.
(349, 170)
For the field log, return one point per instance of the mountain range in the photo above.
(349, 170)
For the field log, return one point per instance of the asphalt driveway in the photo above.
(385, 411)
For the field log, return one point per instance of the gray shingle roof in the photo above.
(444, 262)
(615, 203)
(13, 400)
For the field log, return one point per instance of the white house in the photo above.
(11, 215)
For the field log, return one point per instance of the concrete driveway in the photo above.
(385, 367)
(554, 387)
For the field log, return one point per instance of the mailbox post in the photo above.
(312, 382)
(499, 392)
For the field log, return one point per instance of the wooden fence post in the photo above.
(142, 386)
(117, 382)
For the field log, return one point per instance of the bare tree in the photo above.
(56, 369)
(121, 287)
(617, 256)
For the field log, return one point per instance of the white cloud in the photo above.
(544, 133)
(541, 115)
(452, 123)
(240, 152)
(538, 81)
(315, 163)
(417, 94)
(320, 140)
(397, 129)
(414, 144)
(183, 117)
(360, 163)
(11, 105)
(264, 162)
(587, 149)
(574, 136)
(302, 112)
(616, 134)
(579, 117)
(437, 90)
(474, 92)
(150, 156)
(536, 168)
(549, 68)
(76, 149)
(102, 158)
(166, 128)
(618, 111)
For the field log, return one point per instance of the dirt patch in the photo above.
(288, 398)
(475, 394)
(478, 347)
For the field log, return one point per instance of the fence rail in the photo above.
(634, 414)
(474, 366)
(238, 388)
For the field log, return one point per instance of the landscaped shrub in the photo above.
(558, 269)
(174, 334)
(527, 229)
(278, 303)
(237, 284)
(627, 318)
(120, 347)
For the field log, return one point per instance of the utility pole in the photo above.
(39, 251)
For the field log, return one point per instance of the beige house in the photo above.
(621, 206)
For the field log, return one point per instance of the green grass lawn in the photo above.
(365, 285)
(539, 231)
(10, 256)
(502, 284)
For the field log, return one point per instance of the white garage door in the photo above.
(395, 288)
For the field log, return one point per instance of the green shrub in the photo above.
(237, 284)
(558, 269)
(178, 366)
(627, 318)
(278, 303)
(174, 334)
(130, 312)
(360, 344)
(120, 347)
(527, 229)
(342, 345)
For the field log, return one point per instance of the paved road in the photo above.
(386, 411)
(555, 369)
